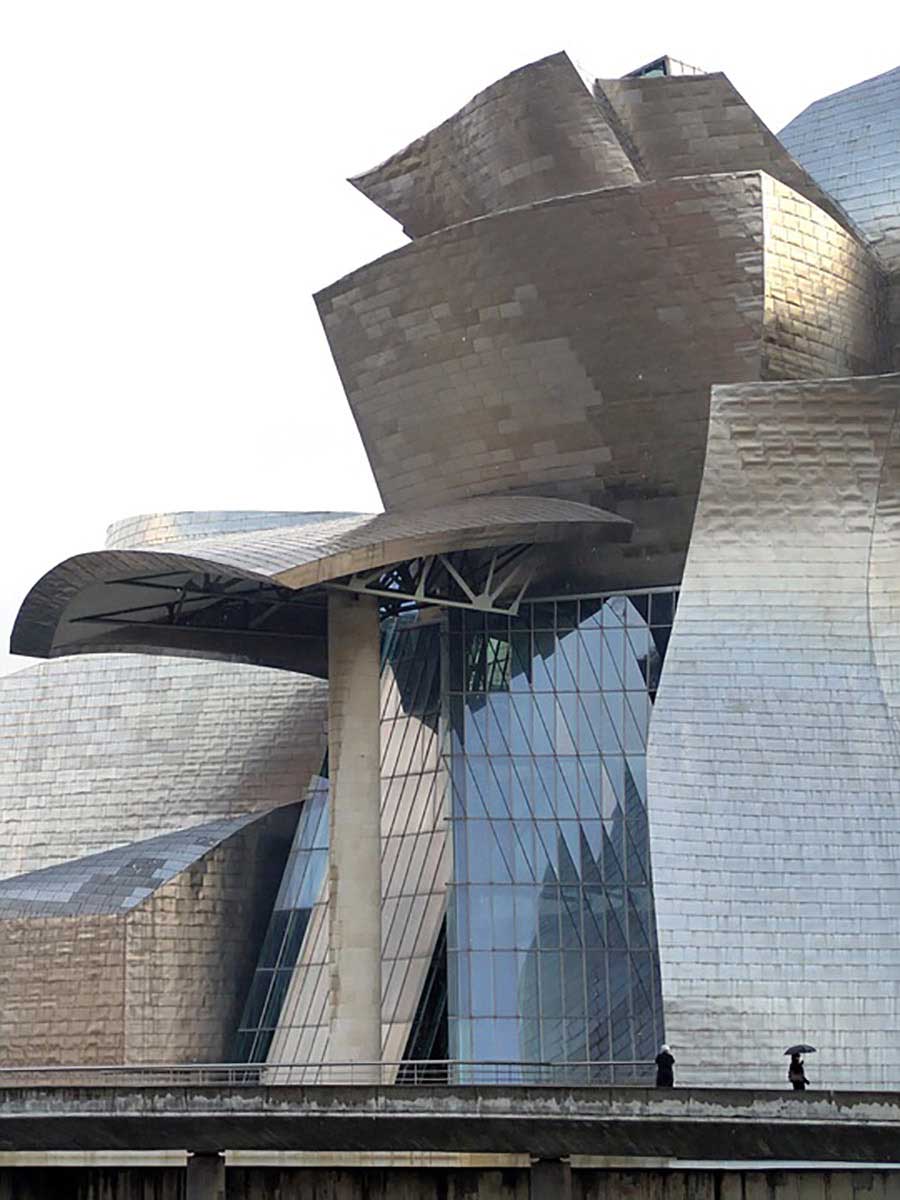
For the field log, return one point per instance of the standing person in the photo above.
(665, 1076)
(796, 1074)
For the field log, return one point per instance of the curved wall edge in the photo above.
(775, 826)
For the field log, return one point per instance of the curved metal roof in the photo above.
(150, 600)
(850, 143)
(162, 528)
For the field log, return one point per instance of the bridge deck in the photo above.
(547, 1122)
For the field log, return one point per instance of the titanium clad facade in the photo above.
(774, 758)
(534, 134)
(698, 124)
(137, 862)
(229, 595)
(850, 144)
(101, 751)
(637, 352)
(541, 359)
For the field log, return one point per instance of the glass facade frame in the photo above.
(552, 948)
(514, 818)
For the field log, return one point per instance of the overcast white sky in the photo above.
(173, 193)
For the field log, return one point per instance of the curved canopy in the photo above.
(235, 596)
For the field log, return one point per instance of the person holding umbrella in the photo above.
(796, 1071)
(665, 1063)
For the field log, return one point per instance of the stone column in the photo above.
(551, 1179)
(205, 1177)
(354, 770)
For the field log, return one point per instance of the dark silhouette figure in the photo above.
(665, 1076)
(796, 1074)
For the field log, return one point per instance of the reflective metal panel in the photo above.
(699, 124)
(535, 133)
(850, 143)
(773, 759)
(102, 751)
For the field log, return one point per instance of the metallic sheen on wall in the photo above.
(642, 339)
(774, 750)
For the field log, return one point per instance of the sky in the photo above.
(175, 191)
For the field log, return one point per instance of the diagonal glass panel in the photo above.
(520, 734)
(565, 804)
(567, 663)
(565, 741)
(590, 659)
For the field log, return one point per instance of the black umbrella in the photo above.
(800, 1048)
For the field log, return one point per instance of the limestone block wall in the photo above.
(191, 948)
(63, 990)
(117, 978)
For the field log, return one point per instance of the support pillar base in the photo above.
(551, 1179)
(205, 1177)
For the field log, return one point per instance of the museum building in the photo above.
(591, 739)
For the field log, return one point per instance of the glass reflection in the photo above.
(552, 950)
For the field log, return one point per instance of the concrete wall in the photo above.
(374, 1183)
(354, 866)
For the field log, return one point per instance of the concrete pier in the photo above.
(484, 1182)
(550, 1179)
(205, 1177)
(354, 767)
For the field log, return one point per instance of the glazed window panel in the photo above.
(551, 903)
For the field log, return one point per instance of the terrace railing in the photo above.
(409, 1073)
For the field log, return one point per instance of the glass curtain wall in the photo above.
(298, 896)
(286, 1016)
(552, 948)
(539, 722)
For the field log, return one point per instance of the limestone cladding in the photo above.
(162, 981)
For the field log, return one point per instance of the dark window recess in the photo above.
(428, 1039)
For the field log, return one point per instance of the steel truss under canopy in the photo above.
(493, 580)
